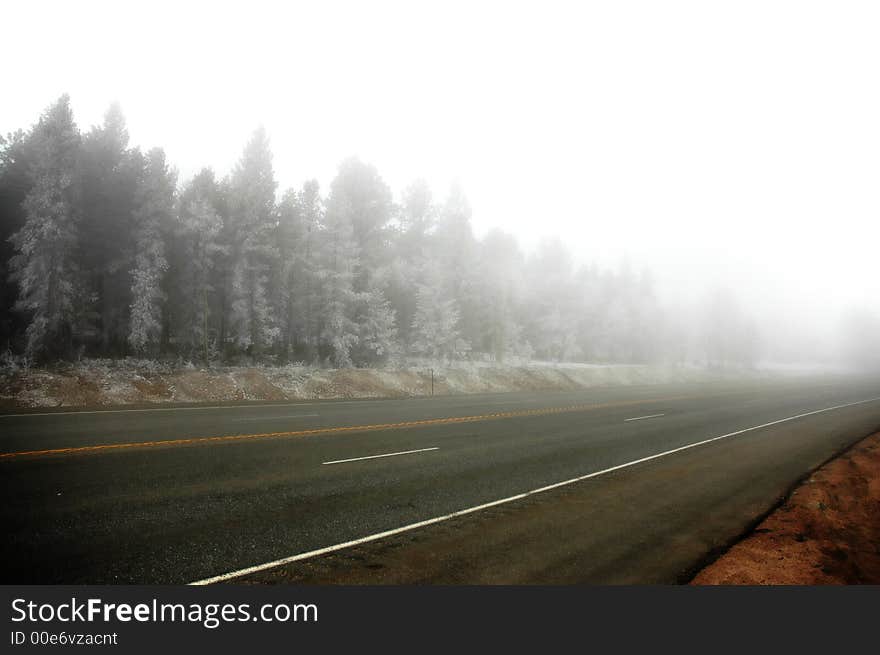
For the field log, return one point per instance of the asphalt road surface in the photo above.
(178, 495)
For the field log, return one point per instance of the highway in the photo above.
(172, 495)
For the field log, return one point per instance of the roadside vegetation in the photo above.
(97, 382)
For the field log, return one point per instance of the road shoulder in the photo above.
(827, 531)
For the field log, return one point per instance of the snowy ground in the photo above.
(107, 382)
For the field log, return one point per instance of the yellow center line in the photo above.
(335, 430)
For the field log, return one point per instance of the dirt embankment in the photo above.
(106, 382)
(826, 532)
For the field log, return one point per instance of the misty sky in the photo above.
(734, 143)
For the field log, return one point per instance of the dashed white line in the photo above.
(639, 418)
(470, 510)
(357, 459)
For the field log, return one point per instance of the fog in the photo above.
(726, 153)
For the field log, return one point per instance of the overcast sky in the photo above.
(734, 143)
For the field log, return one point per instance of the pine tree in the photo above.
(224, 262)
(110, 175)
(553, 314)
(436, 324)
(16, 162)
(338, 259)
(196, 250)
(454, 251)
(154, 201)
(100, 256)
(417, 218)
(354, 243)
(288, 270)
(377, 329)
(44, 265)
(312, 214)
(499, 286)
(362, 199)
(252, 194)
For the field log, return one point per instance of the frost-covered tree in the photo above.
(311, 206)
(290, 270)
(416, 220)
(360, 198)
(500, 285)
(109, 174)
(436, 331)
(377, 327)
(730, 336)
(298, 286)
(16, 181)
(553, 310)
(453, 251)
(99, 259)
(353, 246)
(252, 205)
(338, 259)
(44, 265)
(196, 250)
(154, 202)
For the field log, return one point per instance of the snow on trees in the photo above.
(408, 253)
(553, 320)
(338, 259)
(44, 264)
(360, 324)
(154, 202)
(194, 255)
(296, 284)
(101, 257)
(252, 199)
(499, 285)
(436, 331)
(311, 207)
(377, 327)
(110, 173)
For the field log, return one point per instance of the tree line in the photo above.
(104, 253)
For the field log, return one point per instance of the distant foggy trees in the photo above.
(103, 252)
(860, 340)
(730, 337)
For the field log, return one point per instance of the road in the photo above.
(176, 495)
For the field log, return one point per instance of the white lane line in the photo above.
(639, 418)
(273, 418)
(470, 510)
(357, 459)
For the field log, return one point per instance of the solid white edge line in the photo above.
(402, 452)
(639, 418)
(438, 519)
